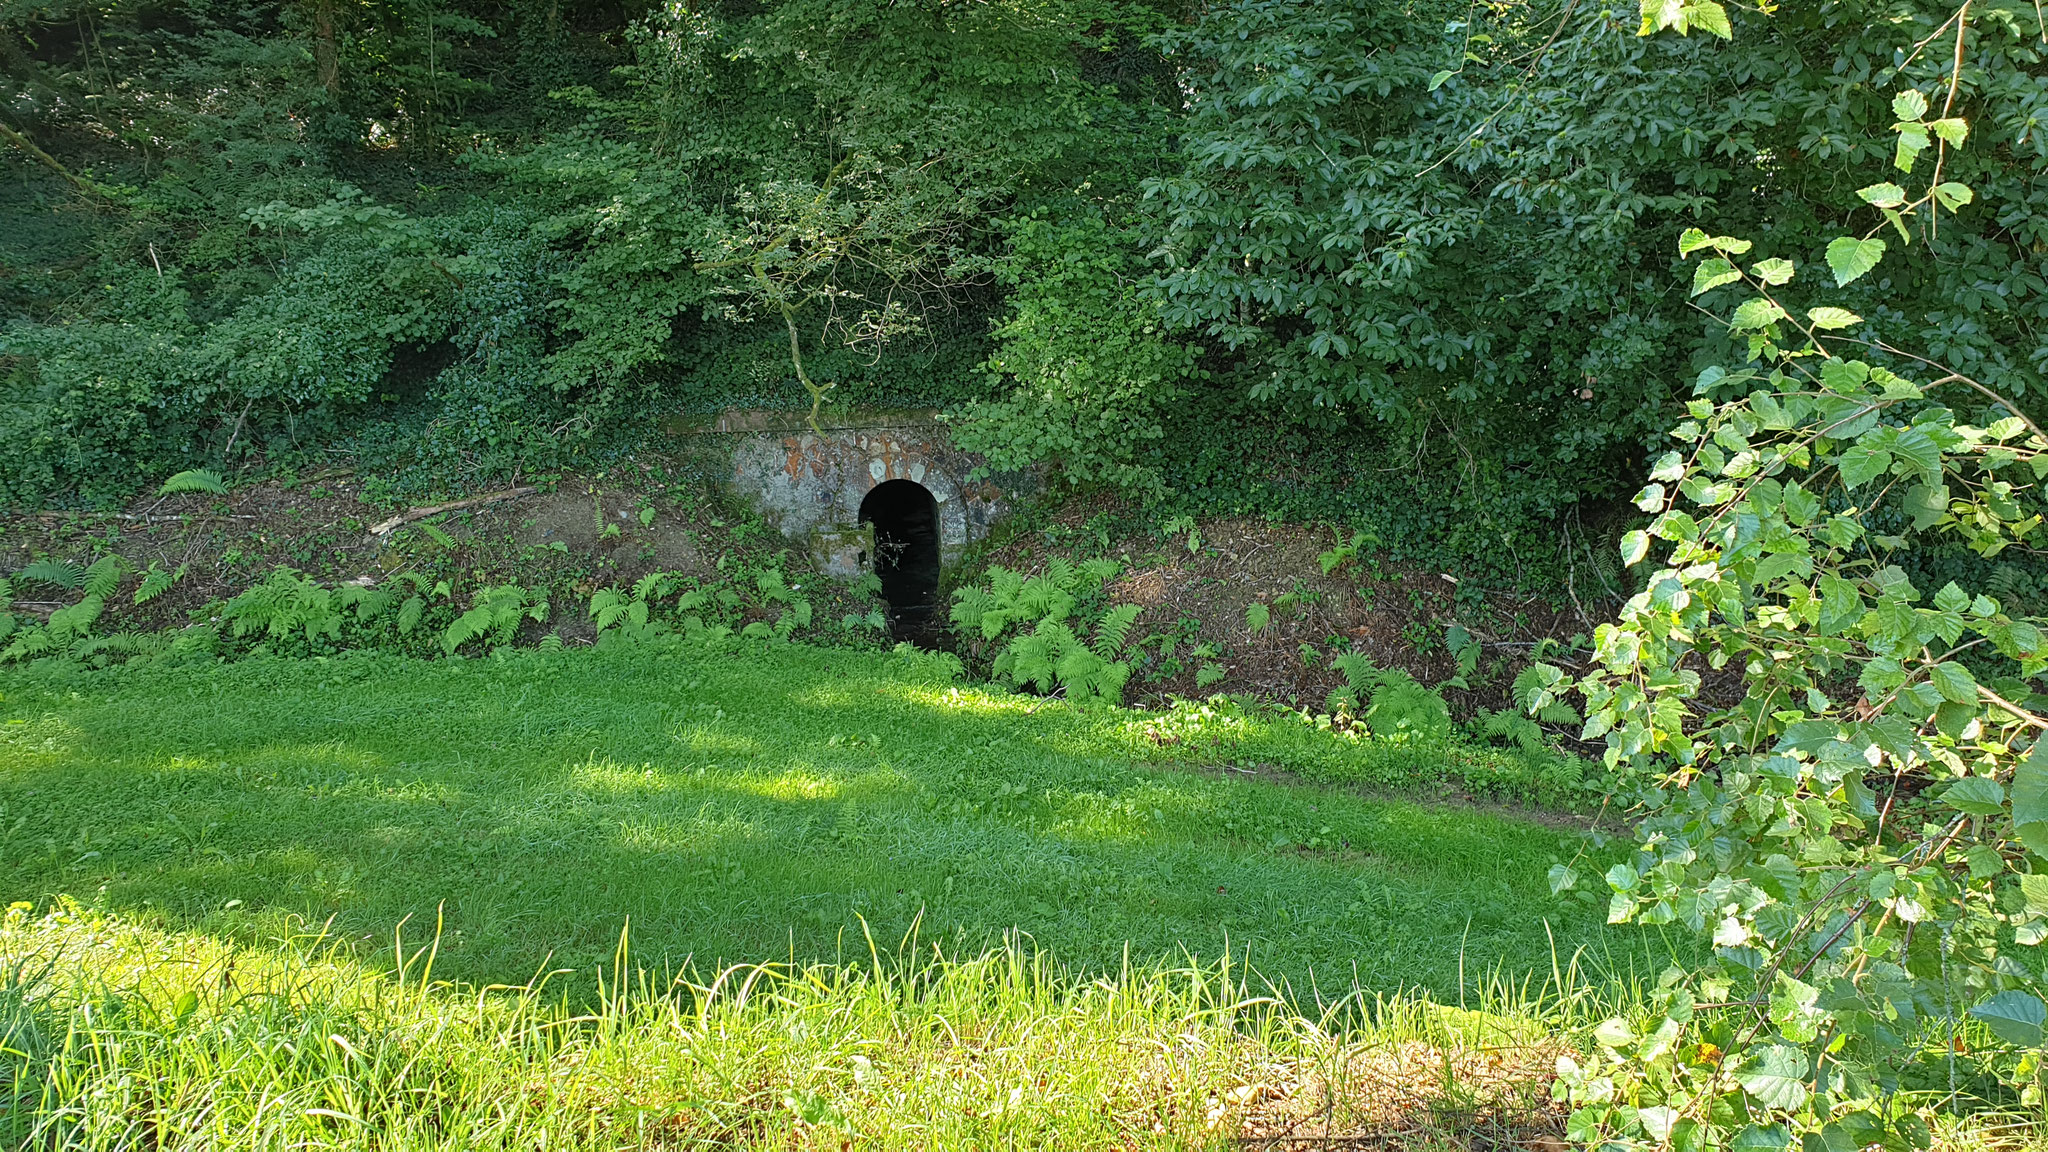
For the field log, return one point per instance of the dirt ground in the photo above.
(1197, 586)
(573, 536)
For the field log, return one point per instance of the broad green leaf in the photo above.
(1885, 195)
(1860, 464)
(1793, 1009)
(2015, 1016)
(1776, 270)
(1832, 317)
(1712, 274)
(1778, 1078)
(1671, 466)
(1634, 546)
(1710, 16)
(1952, 131)
(1909, 105)
(1977, 795)
(1692, 240)
(1762, 1138)
(1756, 313)
(1657, 1122)
(1614, 1032)
(1850, 258)
(2030, 800)
(1622, 877)
(2034, 887)
(1954, 682)
(1651, 498)
(1912, 142)
(1951, 195)
(1437, 81)
(1562, 876)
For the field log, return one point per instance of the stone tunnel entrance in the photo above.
(905, 517)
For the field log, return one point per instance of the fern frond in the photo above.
(104, 576)
(1114, 630)
(1060, 573)
(30, 643)
(58, 573)
(155, 582)
(409, 614)
(467, 627)
(1360, 673)
(76, 620)
(195, 480)
(1100, 570)
(1006, 584)
(970, 605)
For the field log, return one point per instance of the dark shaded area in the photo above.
(906, 520)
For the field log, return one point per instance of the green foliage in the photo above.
(1395, 706)
(495, 615)
(1091, 371)
(1042, 627)
(285, 604)
(1861, 834)
(1448, 236)
(69, 629)
(194, 480)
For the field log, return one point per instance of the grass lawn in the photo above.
(736, 804)
(740, 805)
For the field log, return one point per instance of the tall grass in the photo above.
(121, 1035)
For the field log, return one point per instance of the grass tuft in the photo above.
(120, 1035)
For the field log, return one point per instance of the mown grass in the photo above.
(750, 803)
(987, 919)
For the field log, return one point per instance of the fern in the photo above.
(369, 603)
(1048, 654)
(104, 576)
(155, 582)
(1512, 727)
(409, 614)
(285, 603)
(56, 573)
(495, 613)
(1403, 709)
(195, 480)
(1114, 629)
(31, 642)
(77, 619)
(970, 607)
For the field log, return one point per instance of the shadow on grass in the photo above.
(737, 805)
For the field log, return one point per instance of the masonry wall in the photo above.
(809, 483)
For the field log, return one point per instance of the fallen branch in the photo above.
(166, 517)
(404, 518)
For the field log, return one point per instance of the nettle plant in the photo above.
(1863, 834)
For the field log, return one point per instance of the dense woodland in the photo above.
(1411, 266)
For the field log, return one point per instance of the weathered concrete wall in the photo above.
(810, 484)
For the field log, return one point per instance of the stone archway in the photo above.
(812, 484)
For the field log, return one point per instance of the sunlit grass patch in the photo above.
(122, 1035)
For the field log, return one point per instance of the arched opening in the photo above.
(906, 520)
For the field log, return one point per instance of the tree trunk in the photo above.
(326, 55)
